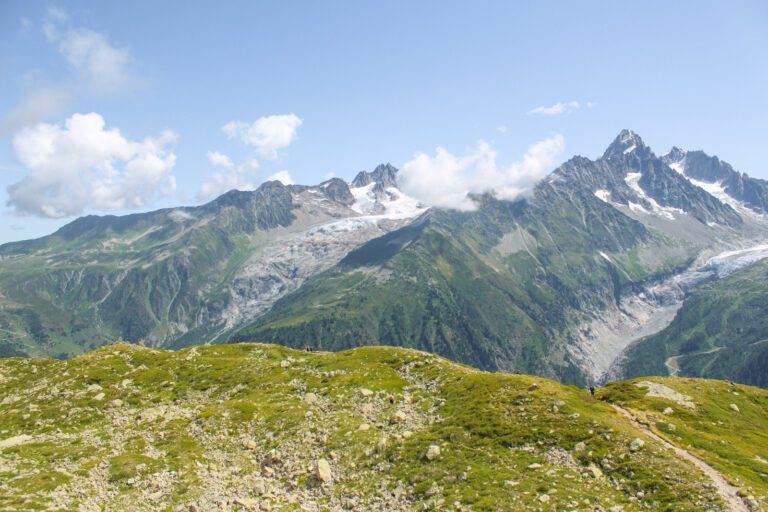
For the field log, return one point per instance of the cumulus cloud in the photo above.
(239, 177)
(445, 180)
(267, 134)
(560, 108)
(82, 165)
(283, 177)
(219, 159)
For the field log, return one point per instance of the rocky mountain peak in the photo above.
(627, 143)
(337, 190)
(675, 155)
(384, 175)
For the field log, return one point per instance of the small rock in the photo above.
(636, 444)
(99, 397)
(594, 471)
(433, 452)
(580, 446)
(511, 483)
(366, 392)
(544, 498)
(323, 471)
(363, 427)
(669, 410)
(535, 465)
(400, 417)
(260, 487)
(734, 407)
(285, 363)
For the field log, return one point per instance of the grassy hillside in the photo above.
(262, 427)
(720, 332)
(722, 423)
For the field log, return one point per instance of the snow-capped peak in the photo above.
(625, 143)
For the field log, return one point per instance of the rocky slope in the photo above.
(252, 427)
(719, 178)
(721, 331)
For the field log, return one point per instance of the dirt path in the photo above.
(726, 491)
(673, 363)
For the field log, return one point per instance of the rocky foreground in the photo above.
(260, 427)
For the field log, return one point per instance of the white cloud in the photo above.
(266, 134)
(282, 176)
(445, 179)
(238, 177)
(560, 108)
(82, 165)
(102, 65)
(219, 159)
(224, 181)
(95, 67)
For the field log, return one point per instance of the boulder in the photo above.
(636, 444)
(323, 471)
(433, 452)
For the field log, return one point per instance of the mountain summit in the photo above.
(627, 142)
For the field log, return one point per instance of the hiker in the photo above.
(592, 390)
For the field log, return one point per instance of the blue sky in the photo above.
(354, 84)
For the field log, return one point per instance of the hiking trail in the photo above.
(727, 492)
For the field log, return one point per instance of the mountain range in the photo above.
(604, 258)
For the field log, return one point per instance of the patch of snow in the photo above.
(678, 167)
(394, 203)
(718, 192)
(603, 195)
(365, 199)
(398, 205)
(635, 207)
(180, 215)
(730, 261)
(632, 179)
(605, 256)
(630, 149)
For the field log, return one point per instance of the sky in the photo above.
(113, 108)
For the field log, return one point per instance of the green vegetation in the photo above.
(725, 426)
(233, 426)
(499, 288)
(136, 278)
(720, 332)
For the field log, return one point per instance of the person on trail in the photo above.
(592, 390)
